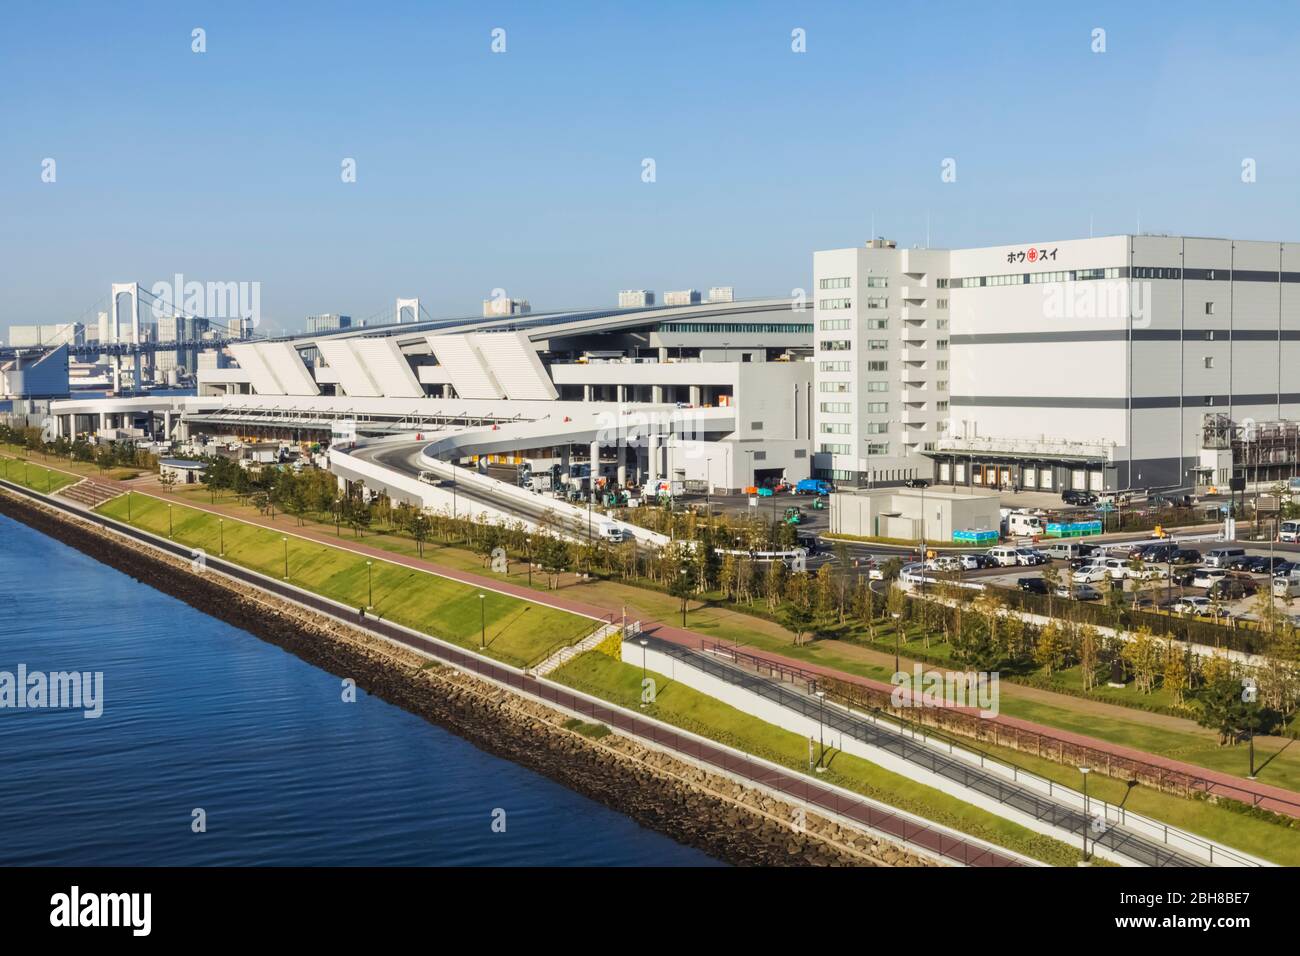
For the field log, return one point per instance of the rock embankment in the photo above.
(712, 812)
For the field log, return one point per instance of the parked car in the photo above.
(1080, 592)
(1192, 605)
(972, 562)
(765, 492)
(1241, 562)
(917, 483)
(1271, 566)
(1029, 557)
(1062, 550)
(1208, 577)
(1160, 553)
(1219, 557)
(1186, 556)
(1091, 574)
(1004, 557)
(1233, 587)
(945, 562)
(1184, 577)
(1032, 585)
(1073, 496)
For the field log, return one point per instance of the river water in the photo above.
(201, 716)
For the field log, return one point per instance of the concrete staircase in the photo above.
(566, 654)
(89, 493)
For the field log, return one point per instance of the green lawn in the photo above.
(517, 632)
(677, 704)
(33, 476)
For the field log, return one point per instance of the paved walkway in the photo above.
(1263, 795)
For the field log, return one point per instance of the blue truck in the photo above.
(813, 486)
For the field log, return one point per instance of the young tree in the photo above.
(1050, 649)
(1177, 672)
(1142, 653)
(1089, 654)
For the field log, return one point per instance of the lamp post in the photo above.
(128, 507)
(643, 644)
(286, 556)
(482, 622)
(1085, 770)
(370, 586)
(170, 528)
(821, 729)
(898, 625)
(221, 532)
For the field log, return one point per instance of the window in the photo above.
(941, 365)
(760, 456)
(835, 345)
(941, 344)
(1209, 308)
(878, 448)
(1209, 361)
(877, 366)
(878, 345)
(801, 453)
(877, 323)
(877, 302)
(840, 282)
(940, 323)
(723, 328)
(877, 282)
(833, 325)
(941, 386)
(756, 426)
(940, 406)
(835, 366)
(835, 428)
(877, 408)
(834, 449)
(834, 303)
(877, 386)
(941, 303)
(836, 408)
(876, 428)
(941, 283)
(838, 388)
(1209, 335)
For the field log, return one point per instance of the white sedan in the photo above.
(1090, 574)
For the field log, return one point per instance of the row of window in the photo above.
(839, 325)
(1026, 278)
(841, 282)
(832, 304)
(836, 387)
(760, 328)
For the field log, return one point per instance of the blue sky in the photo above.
(522, 170)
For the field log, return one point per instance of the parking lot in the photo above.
(1160, 591)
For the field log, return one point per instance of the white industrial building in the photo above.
(1086, 363)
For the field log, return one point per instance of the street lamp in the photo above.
(221, 531)
(1085, 770)
(286, 556)
(898, 624)
(643, 644)
(128, 507)
(170, 528)
(370, 586)
(482, 622)
(821, 728)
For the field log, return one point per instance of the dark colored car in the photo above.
(1183, 576)
(1073, 496)
(1032, 585)
(917, 483)
(1086, 549)
(1160, 553)
(1241, 563)
(1186, 556)
(1231, 588)
(1273, 565)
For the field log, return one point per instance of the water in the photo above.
(198, 714)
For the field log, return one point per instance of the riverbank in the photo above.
(714, 813)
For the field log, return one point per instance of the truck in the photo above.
(1021, 523)
(1289, 531)
(812, 486)
(663, 488)
(613, 533)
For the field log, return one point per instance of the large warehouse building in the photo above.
(1086, 363)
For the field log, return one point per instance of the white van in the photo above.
(1219, 557)
(1023, 523)
(613, 533)
(1287, 585)
(1289, 531)
(1005, 557)
(1063, 550)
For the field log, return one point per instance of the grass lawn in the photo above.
(33, 476)
(1132, 728)
(84, 469)
(517, 632)
(677, 704)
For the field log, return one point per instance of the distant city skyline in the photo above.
(525, 170)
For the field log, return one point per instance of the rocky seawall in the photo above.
(719, 815)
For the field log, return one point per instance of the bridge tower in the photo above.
(413, 305)
(115, 316)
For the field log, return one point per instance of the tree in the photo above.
(1177, 672)
(797, 619)
(1088, 656)
(1142, 653)
(1051, 649)
(1227, 709)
